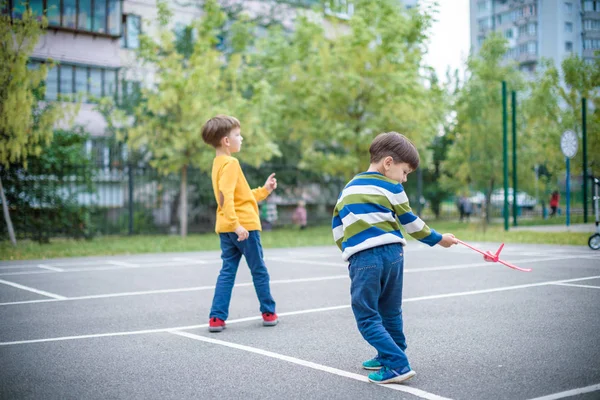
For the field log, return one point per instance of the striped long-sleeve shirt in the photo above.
(369, 212)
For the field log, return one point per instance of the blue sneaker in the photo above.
(373, 364)
(388, 375)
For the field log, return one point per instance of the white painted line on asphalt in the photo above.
(123, 264)
(581, 286)
(309, 364)
(158, 264)
(189, 260)
(314, 310)
(163, 330)
(49, 267)
(179, 290)
(30, 289)
(340, 264)
(570, 393)
(499, 289)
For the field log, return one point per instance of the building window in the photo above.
(588, 6)
(482, 6)
(100, 16)
(569, 46)
(484, 23)
(66, 81)
(53, 12)
(131, 31)
(480, 40)
(52, 84)
(69, 14)
(568, 27)
(95, 82)
(592, 44)
(81, 82)
(508, 33)
(114, 17)
(591, 25)
(568, 7)
(85, 15)
(84, 81)
(532, 47)
(531, 28)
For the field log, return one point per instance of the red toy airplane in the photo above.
(488, 256)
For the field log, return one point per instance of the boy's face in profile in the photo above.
(398, 172)
(233, 141)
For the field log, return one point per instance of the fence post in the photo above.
(505, 153)
(514, 157)
(130, 181)
(584, 143)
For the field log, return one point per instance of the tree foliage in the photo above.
(343, 87)
(475, 159)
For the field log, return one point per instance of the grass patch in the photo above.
(288, 237)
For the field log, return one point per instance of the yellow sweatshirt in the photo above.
(237, 204)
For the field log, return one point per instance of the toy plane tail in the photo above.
(499, 250)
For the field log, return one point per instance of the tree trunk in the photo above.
(11, 231)
(183, 204)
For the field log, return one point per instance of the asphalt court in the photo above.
(136, 327)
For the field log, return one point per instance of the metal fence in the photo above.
(85, 202)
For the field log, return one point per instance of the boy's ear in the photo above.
(225, 141)
(388, 161)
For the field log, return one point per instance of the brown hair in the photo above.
(395, 145)
(217, 128)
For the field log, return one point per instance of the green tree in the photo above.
(189, 89)
(342, 88)
(26, 124)
(475, 158)
(553, 105)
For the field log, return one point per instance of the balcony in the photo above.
(527, 58)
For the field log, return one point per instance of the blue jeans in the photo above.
(376, 292)
(231, 254)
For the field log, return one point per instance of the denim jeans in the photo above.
(231, 254)
(376, 292)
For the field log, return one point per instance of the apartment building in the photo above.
(536, 29)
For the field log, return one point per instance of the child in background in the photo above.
(238, 224)
(299, 216)
(366, 227)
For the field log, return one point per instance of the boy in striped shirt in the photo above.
(366, 227)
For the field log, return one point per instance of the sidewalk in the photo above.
(589, 227)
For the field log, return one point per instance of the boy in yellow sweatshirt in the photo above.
(238, 223)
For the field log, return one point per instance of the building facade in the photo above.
(536, 29)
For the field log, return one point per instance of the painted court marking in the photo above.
(123, 264)
(49, 267)
(582, 286)
(570, 393)
(340, 307)
(319, 367)
(178, 290)
(30, 289)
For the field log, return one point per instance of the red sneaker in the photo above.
(269, 319)
(216, 324)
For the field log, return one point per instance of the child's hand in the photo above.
(448, 240)
(271, 183)
(242, 233)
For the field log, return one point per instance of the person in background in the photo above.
(554, 199)
(299, 216)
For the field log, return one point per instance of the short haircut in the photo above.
(395, 145)
(217, 128)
